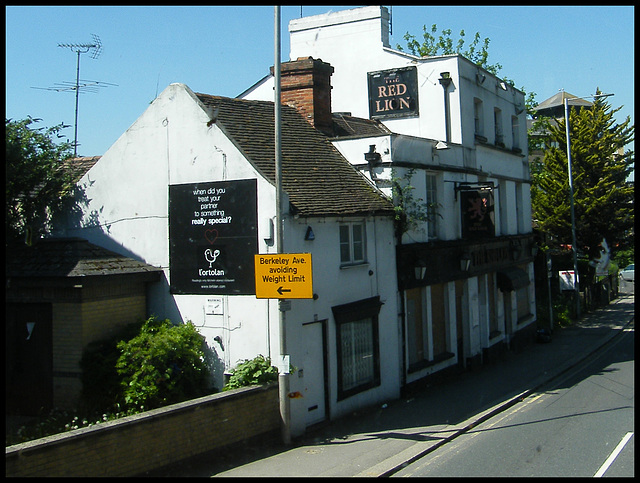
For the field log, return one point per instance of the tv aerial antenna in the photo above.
(94, 49)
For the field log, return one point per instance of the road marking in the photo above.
(613, 455)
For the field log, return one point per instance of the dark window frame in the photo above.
(352, 312)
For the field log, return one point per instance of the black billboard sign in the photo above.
(393, 93)
(477, 214)
(213, 237)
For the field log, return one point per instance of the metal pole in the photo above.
(573, 215)
(75, 140)
(283, 376)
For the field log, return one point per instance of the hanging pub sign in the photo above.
(213, 237)
(477, 213)
(393, 93)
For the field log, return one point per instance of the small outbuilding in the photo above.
(61, 294)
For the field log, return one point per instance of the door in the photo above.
(28, 358)
(314, 372)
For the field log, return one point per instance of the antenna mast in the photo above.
(95, 48)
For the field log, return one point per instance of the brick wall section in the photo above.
(77, 324)
(306, 86)
(137, 444)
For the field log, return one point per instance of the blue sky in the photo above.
(224, 50)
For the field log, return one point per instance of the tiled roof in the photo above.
(317, 178)
(70, 257)
(346, 125)
(79, 166)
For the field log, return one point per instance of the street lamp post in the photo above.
(574, 248)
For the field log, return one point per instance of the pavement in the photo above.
(381, 440)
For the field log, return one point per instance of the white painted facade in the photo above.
(485, 143)
(173, 142)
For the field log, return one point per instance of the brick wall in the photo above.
(77, 324)
(137, 444)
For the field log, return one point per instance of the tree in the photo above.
(38, 184)
(163, 364)
(478, 51)
(603, 200)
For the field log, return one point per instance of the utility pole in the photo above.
(283, 375)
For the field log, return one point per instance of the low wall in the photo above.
(136, 444)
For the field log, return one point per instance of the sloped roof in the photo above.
(70, 257)
(80, 165)
(317, 178)
(346, 125)
(554, 106)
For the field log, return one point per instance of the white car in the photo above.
(627, 273)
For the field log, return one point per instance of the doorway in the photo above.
(314, 365)
(28, 358)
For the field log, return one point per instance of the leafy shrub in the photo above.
(162, 365)
(101, 390)
(252, 372)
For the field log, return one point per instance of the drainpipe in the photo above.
(445, 80)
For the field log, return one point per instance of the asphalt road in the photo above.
(579, 426)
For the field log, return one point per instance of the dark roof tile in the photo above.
(70, 257)
(317, 178)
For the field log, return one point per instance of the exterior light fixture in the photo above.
(309, 235)
(465, 262)
(372, 158)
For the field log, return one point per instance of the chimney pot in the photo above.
(306, 86)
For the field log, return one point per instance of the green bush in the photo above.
(252, 372)
(163, 364)
(101, 390)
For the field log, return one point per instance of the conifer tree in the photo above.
(603, 199)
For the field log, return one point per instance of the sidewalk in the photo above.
(381, 440)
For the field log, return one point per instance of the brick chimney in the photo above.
(305, 84)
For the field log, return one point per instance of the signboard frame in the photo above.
(393, 93)
(213, 236)
(284, 276)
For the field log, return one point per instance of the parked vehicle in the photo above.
(627, 273)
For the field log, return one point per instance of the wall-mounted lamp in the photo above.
(502, 85)
(372, 158)
(218, 339)
(515, 250)
(480, 78)
(465, 262)
(442, 145)
(419, 271)
(309, 235)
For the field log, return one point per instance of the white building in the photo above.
(457, 134)
(190, 188)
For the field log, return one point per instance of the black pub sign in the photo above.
(393, 93)
(477, 213)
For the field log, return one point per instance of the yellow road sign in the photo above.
(284, 276)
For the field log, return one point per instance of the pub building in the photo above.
(439, 282)
(449, 138)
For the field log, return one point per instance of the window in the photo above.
(477, 117)
(432, 205)
(352, 243)
(515, 133)
(357, 344)
(497, 119)
(426, 342)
